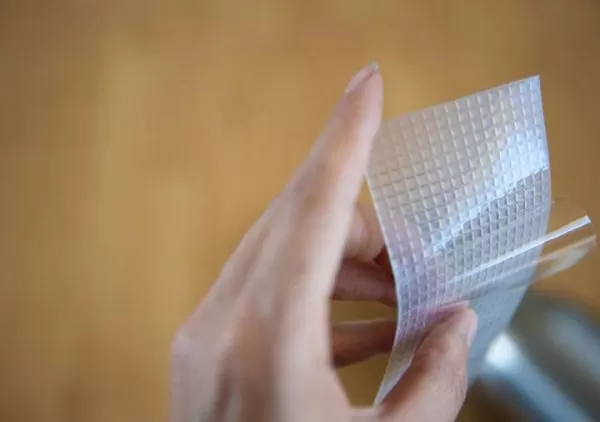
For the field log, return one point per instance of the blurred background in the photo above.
(140, 139)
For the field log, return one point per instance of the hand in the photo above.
(259, 347)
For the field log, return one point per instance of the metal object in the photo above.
(545, 367)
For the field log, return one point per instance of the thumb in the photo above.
(435, 385)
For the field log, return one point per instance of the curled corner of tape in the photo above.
(462, 191)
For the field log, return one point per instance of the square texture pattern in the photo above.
(460, 188)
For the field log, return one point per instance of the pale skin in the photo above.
(260, 346)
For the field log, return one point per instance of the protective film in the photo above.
(463, 195)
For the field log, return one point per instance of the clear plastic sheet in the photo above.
(463, 195)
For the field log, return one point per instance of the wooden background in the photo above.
(140, 139)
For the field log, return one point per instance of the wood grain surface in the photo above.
(139, 140)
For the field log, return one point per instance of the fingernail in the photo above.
(465, 322)
(471, 326)
(362, 76)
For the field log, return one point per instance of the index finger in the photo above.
(324, 191)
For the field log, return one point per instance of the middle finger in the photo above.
(364, 281)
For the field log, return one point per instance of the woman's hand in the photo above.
(259, 347)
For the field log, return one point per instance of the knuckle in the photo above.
(433, 352)
(308, 198)
(321, 179)
(241, 339)
(180, 345)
